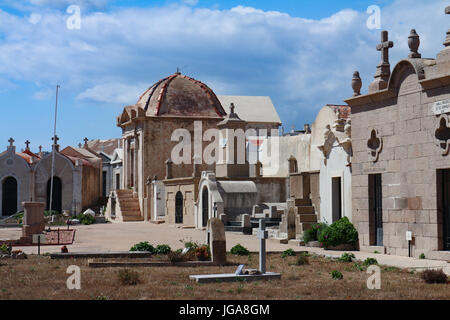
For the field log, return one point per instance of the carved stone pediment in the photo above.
(375, 145)
(442, 135)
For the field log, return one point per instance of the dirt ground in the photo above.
(39, 278)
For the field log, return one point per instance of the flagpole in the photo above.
(53, 152)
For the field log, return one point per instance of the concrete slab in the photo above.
(81, 255)
(231, 277)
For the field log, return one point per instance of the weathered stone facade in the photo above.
(400, 159)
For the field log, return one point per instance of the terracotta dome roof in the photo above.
(179, 95)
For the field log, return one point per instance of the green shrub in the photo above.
(346, 257)
(85, 219)
(47, 213)
(4, 249)
(434, 276)
(288, 253)
(128, 277)
(143, 246)
(302, 260)
(162, 249)
(370, 261)
(239, 250)
(312, 234)
(422, 256)
(336, 275)
(339, 232)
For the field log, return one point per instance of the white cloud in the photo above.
(116, 93)
(301, 63)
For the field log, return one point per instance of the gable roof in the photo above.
(259, 109)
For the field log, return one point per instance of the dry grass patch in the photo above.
(43, 278)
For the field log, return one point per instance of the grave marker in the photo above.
(262, 235)
(217, 241)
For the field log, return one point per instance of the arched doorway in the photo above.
(56, 195)
(9, 196)
(179, 207)
(205, 207)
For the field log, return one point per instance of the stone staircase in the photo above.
(306, 216)
(129, 206)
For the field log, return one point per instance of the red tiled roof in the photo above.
(344, 110)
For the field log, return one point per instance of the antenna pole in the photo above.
(53, 151)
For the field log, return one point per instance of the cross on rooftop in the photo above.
(55, 139)
(232, 107)
(27, 144)
(384, 47)
(11, 141)
(40, 149)
(85, 141)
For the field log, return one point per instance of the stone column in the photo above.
(33, 218)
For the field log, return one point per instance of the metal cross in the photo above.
(55, 139)
(11, 141)
(262, 235)
(384, 47)
(27, 143)
(85, 141)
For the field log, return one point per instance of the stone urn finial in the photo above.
(356, 84)
(414, 43)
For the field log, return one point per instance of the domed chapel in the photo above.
(150, 179)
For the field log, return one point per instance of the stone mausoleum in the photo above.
(401, 160)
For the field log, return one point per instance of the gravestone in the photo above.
(217, 241)
(246, 224)
(33, 218)
(291, 234)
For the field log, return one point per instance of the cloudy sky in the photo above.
(301, 53)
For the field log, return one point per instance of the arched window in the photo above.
(179, 207)
(205, 206)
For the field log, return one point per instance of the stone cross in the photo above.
(384, 47)
(40, 149)
(383, 69)
(27, 143)
(85, 141)
(11, 142)
(55, 139)
(262, 235)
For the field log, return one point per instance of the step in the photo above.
(130, 206)
(305, 210)
(131, 213)
(234, 223)
(307, 218)
(132, 218)
(233, 229)
(302, 202)
(305, 226)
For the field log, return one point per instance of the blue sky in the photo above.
(300, 53)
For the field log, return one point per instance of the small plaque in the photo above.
(408, 236)
(36, 238)
(239, 270)
(441, 107)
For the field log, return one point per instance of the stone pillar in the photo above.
(33, 218)
(169, 169)
(258, 169)
(217, 241)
